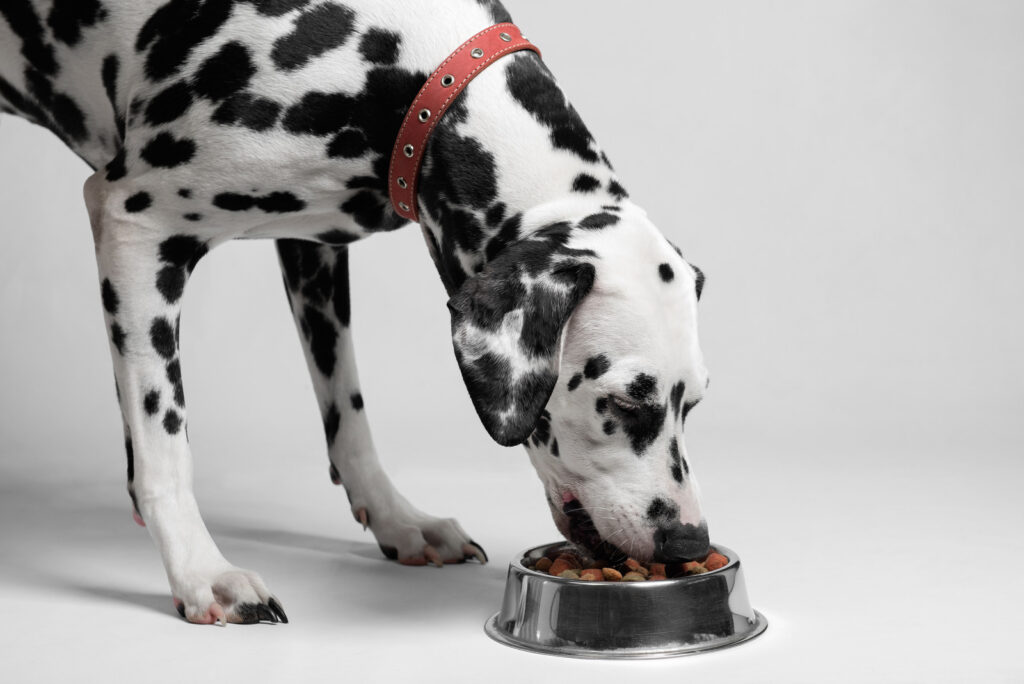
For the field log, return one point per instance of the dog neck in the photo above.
(510, 157)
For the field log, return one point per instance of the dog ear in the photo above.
(507, 324)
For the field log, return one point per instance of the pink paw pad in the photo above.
(138, 518)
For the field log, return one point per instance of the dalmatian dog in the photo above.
(574, 320)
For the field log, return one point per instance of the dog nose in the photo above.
(677, 543)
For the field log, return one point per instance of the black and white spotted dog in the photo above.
(574, 321)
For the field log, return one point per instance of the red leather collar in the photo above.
(433, 100)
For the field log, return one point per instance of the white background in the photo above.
(850, 176)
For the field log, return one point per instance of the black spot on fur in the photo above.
(687, 407)
(116, 168)
(341, 300)
(585, 183)
(462, 170)
(554, 447)
(110, 298)
(161, 335)
(172, 422)
(495, 214)
(357, 401)
(598, 221)
(67, 18)
(322, 340)
(390, 552)
(225, 73)
(575, 381)
(660, 510)
(175, 29)
(666, 273)
(109, 72)
(140, 201)
(676, 467)
(185, 192)
(26, 24)
(608, 427)
(678, 390)
(596, 366)
(170, 281)
(700, 280)
(183, 251)
(151, 403)
(642, 387)
(166, 151)
(247, 110)
(192, 216)
(130, 450)
(117, 337)
(616, 189)
(601, 405)
(169, 104)
(643, 425)
(380, 46)
(174, 377)
(542, 430)
(332, 420)
(337, 236)
(273, 203)
(318, 113)
(351, 143)
(533, 87)
(316, 31)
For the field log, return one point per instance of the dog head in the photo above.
(580, 342)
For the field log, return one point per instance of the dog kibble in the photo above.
(611, 574)
(569, 565)
(715, 561)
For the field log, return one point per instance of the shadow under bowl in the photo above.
(653, 619)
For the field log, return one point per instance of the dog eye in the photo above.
(625, 405)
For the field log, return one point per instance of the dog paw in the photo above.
(414, 538)
(233, 595)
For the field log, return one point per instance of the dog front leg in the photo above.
(143, 270)
(317, 283)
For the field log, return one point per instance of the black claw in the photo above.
(481, 549)
(265, 614)
(181, 609)
(278, 610)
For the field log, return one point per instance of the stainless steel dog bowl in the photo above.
(653, 619)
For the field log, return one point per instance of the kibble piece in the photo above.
(658, 569)
(694, 568)
(592, 575)
(636, 566)
(571, 573)
(652, 577)
(559, 566)
(611, 574)
(715, 561)
(571, 558)
(633, 576)
(543, 565)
